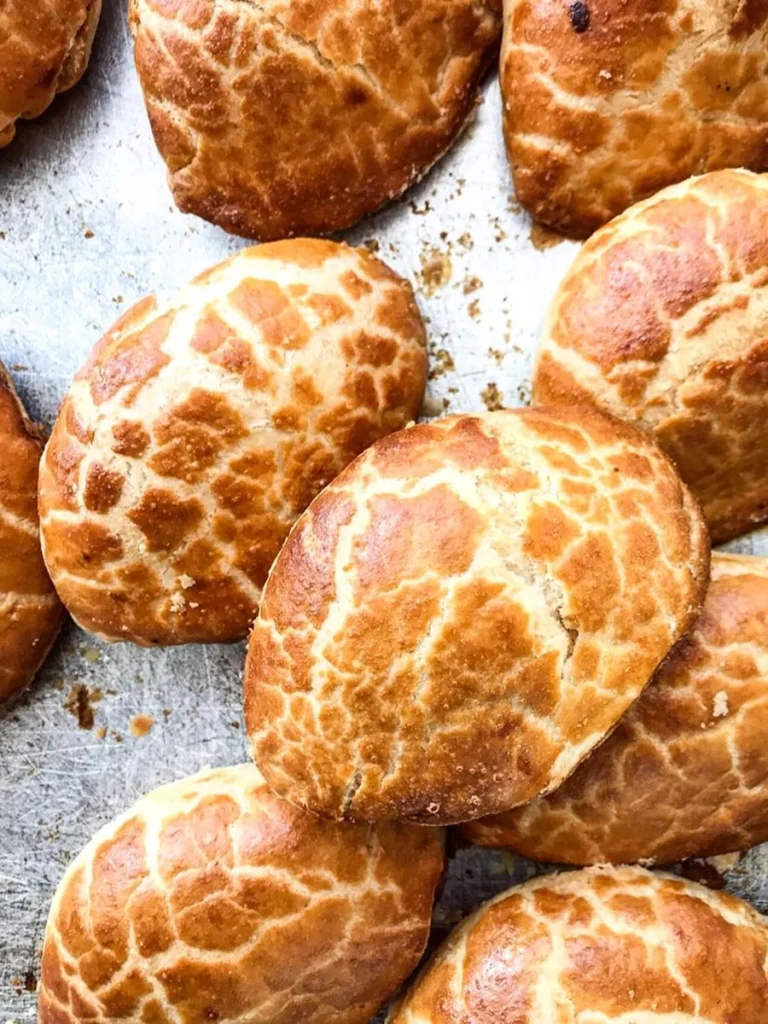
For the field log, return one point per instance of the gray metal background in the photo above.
(87, 227)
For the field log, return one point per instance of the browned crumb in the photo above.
(88, 233)
(466, 240)
(471, 284)
(79, 704)
(101, 732)
(474, 309)
(235, 725)
(544, 238)
(492, 397)
(30, 981)
(141, 726)
(441, 362)
(436, 270)
(497, 354)
(420, 211)
(372, 245)
(91, 654)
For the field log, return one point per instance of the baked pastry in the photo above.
(201, 427)
(466, 612)
(30, 613)
(45, 47)
(213, 900)
(663, 320)
(685, 774)
(290, 117)
(598, 946)
(606, 103)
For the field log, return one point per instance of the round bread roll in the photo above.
(601, 946)
(466, 612)
(200, 428)
(30, 613)
(685, 774)
(292, 117)
(606, 103)
(45, 46)
(663, 320)
(213, 900)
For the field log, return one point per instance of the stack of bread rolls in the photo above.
(507, 622)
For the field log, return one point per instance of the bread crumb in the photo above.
(474, 309)
(91, 654)
(441, 362)
(186, 581)
(177, 603)
(141, 726)
(466, 240)
(471, 284)
(492, 397)
(720, 704)
(436, 270)
(79, 704)
(101, 733)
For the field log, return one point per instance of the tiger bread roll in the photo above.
(600, 946)
(213, 900)
(663, 320)
(606, 102)
(30, 613)
(202, 426)
(685, 774)
(45, 47)
(466, 612)
(294, 117)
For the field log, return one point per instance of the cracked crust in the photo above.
(45, 47)
(291, 117)
(607, 102)
(30, 613)
(200, 428)
(663, 320)
(466, 612)
(213, 900)
(685, 774)
(602, 946)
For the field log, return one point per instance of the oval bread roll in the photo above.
(45, 46)
(466, 612)
(606, 102)
(602, 946)
(663, 320)
(213, 900)
(201, 427)
(30, 613)
(294, 117)
(685, 774)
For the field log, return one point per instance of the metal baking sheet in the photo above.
(87, 227)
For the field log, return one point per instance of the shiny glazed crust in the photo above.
(301, 116)
(200, 428)
(213, 900)
(45, 46)
(601, 946)
(30, 613)
(685, 774)
(663, 320)
(608, 101)
(466, 612)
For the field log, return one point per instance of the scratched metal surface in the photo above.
(87, 226)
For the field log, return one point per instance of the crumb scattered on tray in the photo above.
(471, 284)
(466, 241)
(436, 270)
(497, 354)
(474, 309)
(79, 703)
(492, 397)
(91, 654)
(372, 245)
(441, 362)
(142, 726)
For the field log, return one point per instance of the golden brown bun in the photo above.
(467, 611)
(213, 900)
(30, 613)
(663, 320)
(605, 103)
(45, 46)
(293, 117)
(685, 774)
(602, 946)
(201, 427)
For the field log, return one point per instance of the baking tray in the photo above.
(87, 227)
